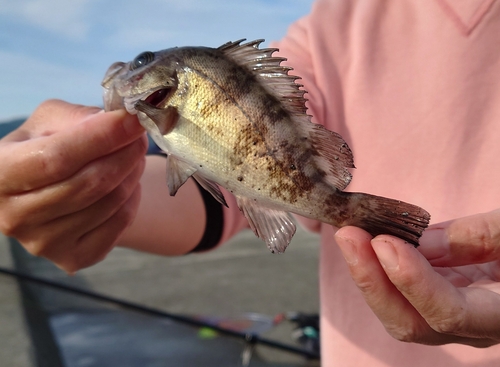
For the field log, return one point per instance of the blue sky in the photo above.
(61, 48)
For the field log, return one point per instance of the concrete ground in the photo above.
(238, 278)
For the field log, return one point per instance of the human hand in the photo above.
(446, 291)
(69, 184)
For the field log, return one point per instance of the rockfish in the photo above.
(233, 117)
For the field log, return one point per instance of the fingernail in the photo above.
(348, 249)
(386, 254)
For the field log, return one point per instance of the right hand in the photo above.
(447, 291)
(70, 181)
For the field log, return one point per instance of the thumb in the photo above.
(469, 240)
(41, 159)
(52, 116)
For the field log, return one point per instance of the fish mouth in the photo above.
(154, 98)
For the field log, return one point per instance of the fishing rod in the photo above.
(250, 338)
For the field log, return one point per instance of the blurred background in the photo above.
(61, 49)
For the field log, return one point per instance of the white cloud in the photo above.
(100, 32)
(130, 38)
(63, 17)
(159, 24)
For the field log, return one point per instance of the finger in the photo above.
(51, 116)
(61, 241)
(49, 159)
(108, 232)
(96, 244)
(91, 183)
(455, 314)
(398, 316)
(469, 240)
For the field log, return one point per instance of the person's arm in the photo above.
(70, 187)
(166, 225)
(457, 301)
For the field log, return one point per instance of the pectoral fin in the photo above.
(274, 227)
(177, 173)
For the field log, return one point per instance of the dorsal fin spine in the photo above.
(269, 70)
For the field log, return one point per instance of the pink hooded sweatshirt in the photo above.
(413, 86)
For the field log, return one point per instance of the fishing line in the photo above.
(249, 338)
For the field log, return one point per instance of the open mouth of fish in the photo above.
(154, 97)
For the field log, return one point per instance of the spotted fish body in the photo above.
(234, 117)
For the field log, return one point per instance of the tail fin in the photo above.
(379, 215)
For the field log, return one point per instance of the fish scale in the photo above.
(236, 153)
(233, 117)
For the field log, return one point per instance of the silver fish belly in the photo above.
(233, 117)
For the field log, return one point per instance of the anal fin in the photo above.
(276, 228)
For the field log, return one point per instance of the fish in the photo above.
(235, 117)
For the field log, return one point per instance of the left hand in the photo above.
(446, 291)
(70, 181)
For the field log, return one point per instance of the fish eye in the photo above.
(142, 59)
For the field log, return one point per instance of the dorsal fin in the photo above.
(333, 154)
(269, 71)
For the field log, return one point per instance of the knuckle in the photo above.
(97, 187)
(82, 260)
(405, 280)
(404, 334)
(366, 285)
(79, 112)
(103, 188)
(74, 264)
(7, 228)
(9, 225)
(97, 183)
(129, 216)
(69, 266)
(94, 184)
(365, 281)
(71, 262)
(481, 234)
(36, 247)
(46, 111)
(75, 261)
(409, 332)
(453, 323)
(490, 238)
(47, 106)
(127, 213)
(53, 163)
(121, 193)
